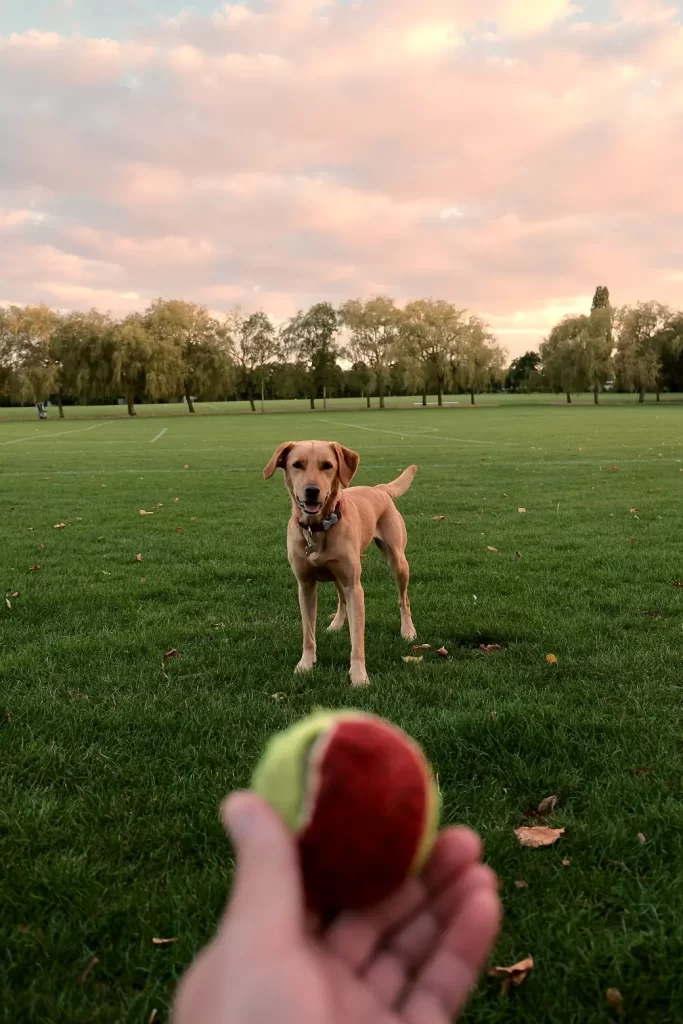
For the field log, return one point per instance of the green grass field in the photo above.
(112, 769)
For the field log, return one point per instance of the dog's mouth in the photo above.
(311, 508)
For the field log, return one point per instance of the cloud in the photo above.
(505, 156)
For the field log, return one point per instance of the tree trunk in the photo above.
(131, 404)
(596, 392)
(641, 396)
(324, 398)
(368, 402)
(380, 390)
(424, 393)
(61, 407)
(569, 398)
(188, 399)
(312, 401)
(472, 397)
(252, 403)
(263, 397)
(658, 399)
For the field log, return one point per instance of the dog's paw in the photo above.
(359, 677)
(408, 632)
(336, 625)
(305, 665)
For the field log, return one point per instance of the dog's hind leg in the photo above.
(340, 616)
(391, 539)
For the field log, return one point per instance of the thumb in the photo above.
(267, 892)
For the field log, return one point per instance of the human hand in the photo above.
(411, 960)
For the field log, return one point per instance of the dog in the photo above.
(328, 531)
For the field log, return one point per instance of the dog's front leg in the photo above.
(355, 605)
(308, 603)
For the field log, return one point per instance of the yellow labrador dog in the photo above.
(330, 528)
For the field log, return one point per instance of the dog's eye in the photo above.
(327, 465)
(298, 464)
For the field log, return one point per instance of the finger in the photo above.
(267, 893)
(357, 937)
(442, 986)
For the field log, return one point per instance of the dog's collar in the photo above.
(324, 524)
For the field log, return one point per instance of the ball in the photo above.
(360, 797)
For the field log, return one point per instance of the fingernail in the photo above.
(238, 814)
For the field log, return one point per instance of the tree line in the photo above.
(178, 350)
(628, 348)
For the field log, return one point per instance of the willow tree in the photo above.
(36, 368)
(432, 335)
(374, 329)
(140, 365)
(641, 334)
(562, 356)
(310, 338)
(480, 359)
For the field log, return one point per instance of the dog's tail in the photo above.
(401, 484)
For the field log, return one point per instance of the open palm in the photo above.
(411, 960)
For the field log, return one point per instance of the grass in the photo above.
(112, 770)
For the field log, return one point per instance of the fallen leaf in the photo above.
(34, 568)
(84, 974)
(173, 653)
(278, 696)
(143, 513)
(438, 519)
(489, 547)
(186, 466)
(138, 557)
(633, 540)
(59, 526)
(104, 572)
(615, 999)
(8, 603)
(42, 547)
(566, 862)
(641, 839)
(78, 695)
(548, 805)
(518, 555)
(158, 505)
(537, 836)
(15, 593)
(79, 519)
(442, 652)
(408, 657)
(521, 884)
(163, 942)
(513, 975)
(490, 648)
(194, 519)
(179, 529)
(642, 771)
(493, 716)
(176, 500)
(551, 659)
(143, 579)
(653, 615)
(421, 647)
(634, 511)
(677, 583)
(521, 510)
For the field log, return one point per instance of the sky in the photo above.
(505, 155)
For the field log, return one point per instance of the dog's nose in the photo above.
(311, 493)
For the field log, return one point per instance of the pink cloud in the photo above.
(507, 158)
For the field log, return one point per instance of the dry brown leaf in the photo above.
(34, 568)
(548, 805)
(641, 839)
(677, 583)
(566, 862)
(8, 603)
(42, 547)
(84, 974)
(438, 518)
(642, 771)
(409, 657)
(493, 716)
(143, 513)
(186, 466)
(515, 974)
(173, 653)
(179, 529)
(521, 884)
(518, 555)
(551, 659)
(143, 579)
(536, 836)
(176, 500)
(194, 518)
(158, 505)
(615, 999)
(633, 540)
(489, 547)
(521, 510)
(104, 572)
(59, 526)
(278, 696)
(634, 511)
(15, 593)
(442, 652)
(421, 647)
(490, 648)
(138, 557)
(163, 942)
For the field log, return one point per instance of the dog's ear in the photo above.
(278, 460)
(348, 463)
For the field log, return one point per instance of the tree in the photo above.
(594, 338)
(480, 358)
(311, 338)
(374, 329)
(641, 336)
(197, 341)
(522, 372)
(36, 370)
(78, 347)
(139, 365)
(361, 379)
(562, 356)
(254, 346)
(432, 332)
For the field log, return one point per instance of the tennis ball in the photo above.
(360, 797)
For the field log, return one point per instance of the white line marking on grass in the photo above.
(405, 434)
(53, 437)
(160, 434)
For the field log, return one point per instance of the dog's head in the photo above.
(314, 471)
